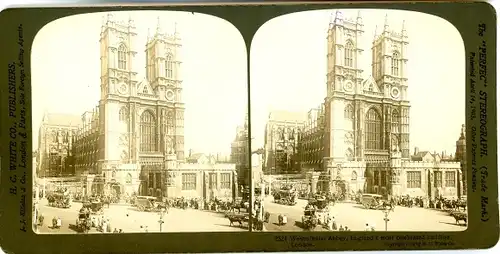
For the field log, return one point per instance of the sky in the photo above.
(288, 70)
(66, 71)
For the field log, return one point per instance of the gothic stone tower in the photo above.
(343, 81)
(140, 121)
(163, 73)
(118, 82)
(366, 119)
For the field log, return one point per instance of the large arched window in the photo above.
(373, 130)
(349, 54)
(349, 112)
(395, 64)
(123, 115)
(168, 67)
(395, 121)
(148, 132)
(122, 57)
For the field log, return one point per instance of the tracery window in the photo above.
(349, 54)
(438, 179)
(349, 112)
(189, 181)
(169, 67)
(413, 179)
(395, 64)
(148, 132)
(128, 179)
(123, 115)
(225, 181)
(373, 130)
(449, 179)
(122, 57)
(395, 121)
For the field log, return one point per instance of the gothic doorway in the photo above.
(341, 190)
(116, 190)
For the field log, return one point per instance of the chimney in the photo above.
(416, 151)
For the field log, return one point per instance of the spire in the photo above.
(175, 28)
(403, 29)
(375, 33)
(386, 23)
(130, 21)
(462, 132)
(149, 35)
(359, 19)
(158, 26)
(109, 17)
(339, 18)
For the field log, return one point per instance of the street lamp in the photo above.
(160, 221)
(386, 212)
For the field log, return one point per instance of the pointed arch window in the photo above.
(395, 118)
(148, 132)
(169, 67)
(128, 179)
(122, 57)
(123, 115)
(145, 90)
(395, 64)
(373, 130)
(349, 54)
(349, 112)
(378, 70)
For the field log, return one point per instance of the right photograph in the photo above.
(359, 117)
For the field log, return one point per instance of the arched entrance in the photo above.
(341, 189)
(116, 190)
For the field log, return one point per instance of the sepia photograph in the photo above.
(140, 124)
(360, 117)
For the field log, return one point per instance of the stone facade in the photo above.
(55, 145)
(240, 153)
(133, 141)
(365, 145)
(281, 142)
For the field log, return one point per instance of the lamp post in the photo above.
(386, 212)
(160, 221)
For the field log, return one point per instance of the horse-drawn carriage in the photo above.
(94, 207)
(309, 219)
(149, 204)
(372, 201)
(239, 218)
(285, 197)
(83, 222)
(59, 199)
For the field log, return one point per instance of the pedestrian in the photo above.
(367, 227)
(59, 222)
(341, 228)
(346, 228)
(115, 231)
(108, 228)
(104, 227)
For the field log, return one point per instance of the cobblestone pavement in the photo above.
(355, 217)
(130, 220)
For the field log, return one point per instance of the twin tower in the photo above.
(367, 117)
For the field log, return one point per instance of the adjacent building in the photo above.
(281, 142)
(240, 154)
(312, 140)
(55, 145)
(133, 141)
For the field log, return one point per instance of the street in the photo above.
(355, 217)
(130, 220)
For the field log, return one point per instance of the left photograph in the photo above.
(139, 123)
